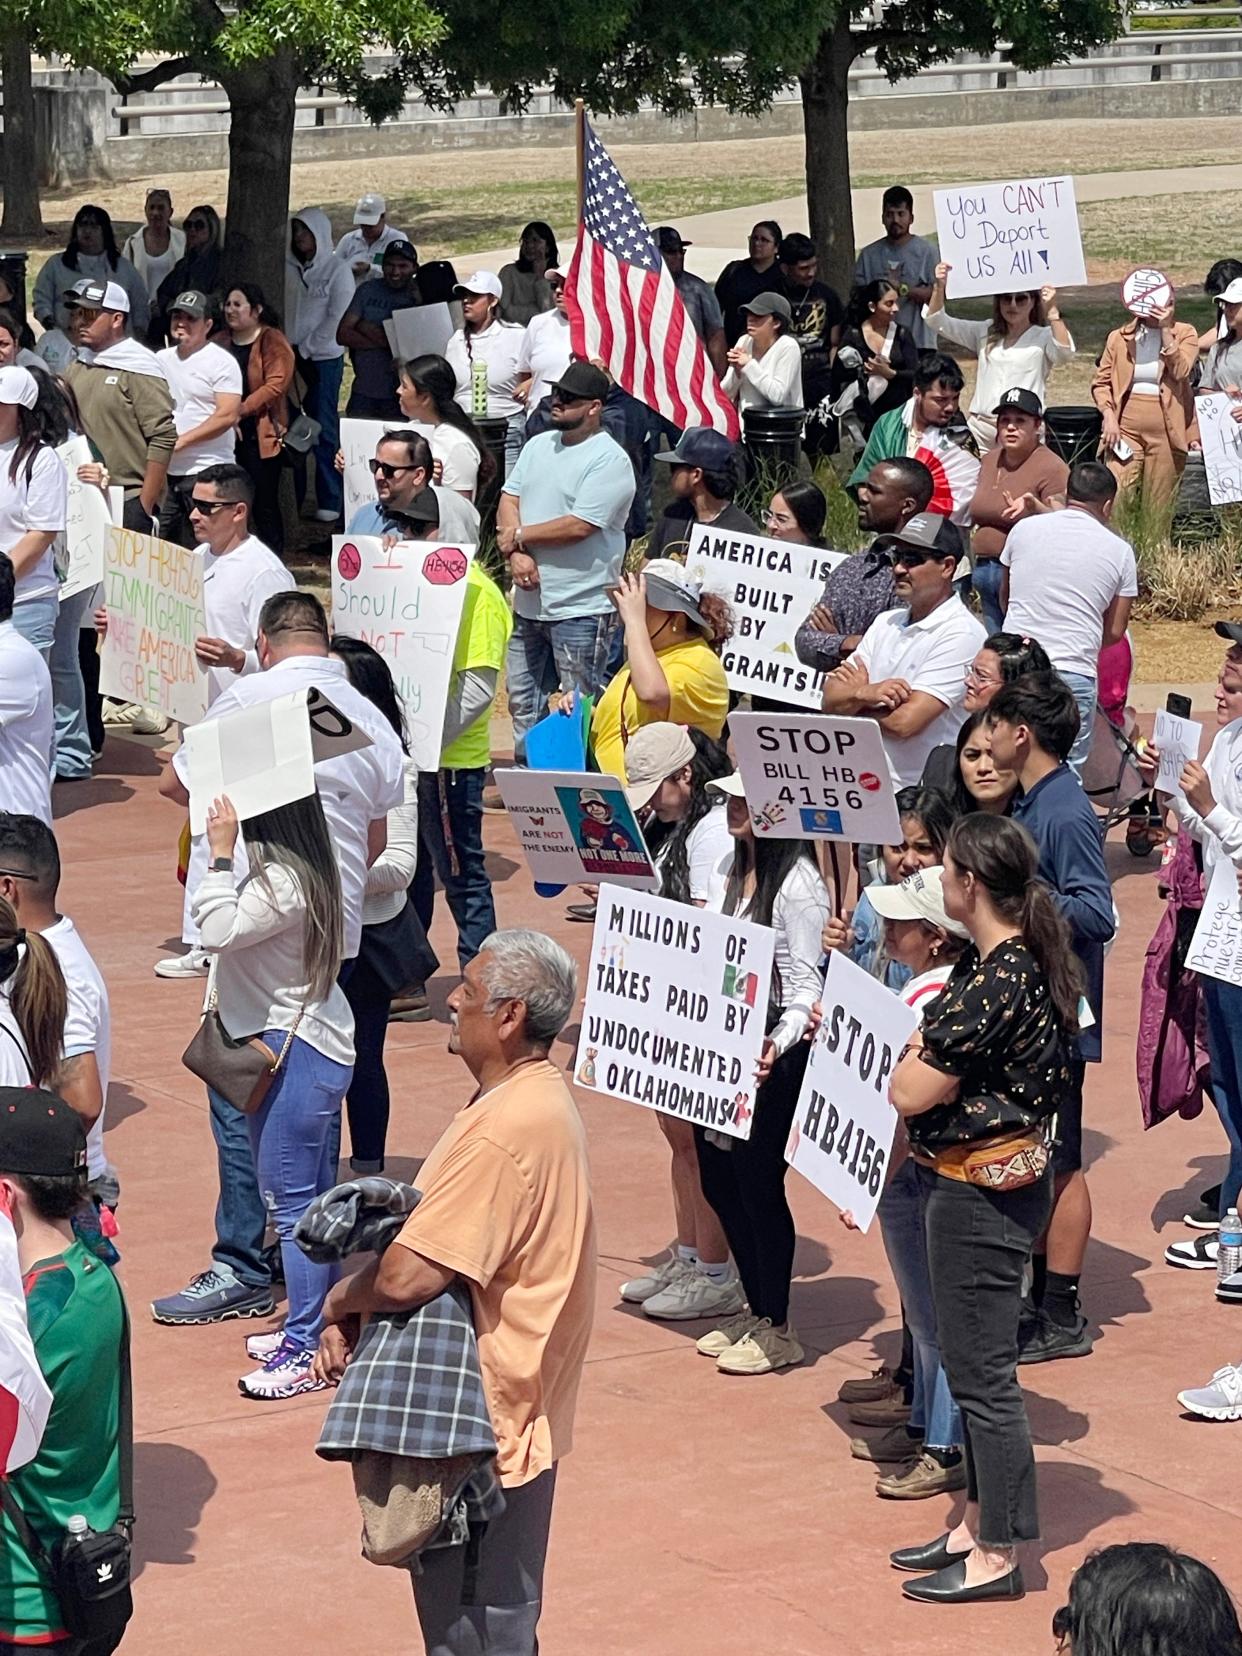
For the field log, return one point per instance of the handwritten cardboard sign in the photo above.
(89, 514)
(1178, 741)
(153, 593)
(815, 776)
(1021, 233)
(1221, 436)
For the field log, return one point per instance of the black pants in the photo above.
(978, 1244)
(745, 1187)
(367, 1100)
(175, 523)
(266, 518)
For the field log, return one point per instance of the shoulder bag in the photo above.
(241, 1071)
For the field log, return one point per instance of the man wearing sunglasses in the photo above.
(908, 673)
(561, 524)
(401, 468)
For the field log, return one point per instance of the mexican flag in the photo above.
(25, 1399)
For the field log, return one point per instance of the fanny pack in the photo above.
(1001, 1164)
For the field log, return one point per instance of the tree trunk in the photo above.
(825, 106)
(22, 216)
(261, 110)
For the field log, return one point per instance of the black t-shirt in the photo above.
(671, 536)
(817, 310)
(241, 354)
(739, 283)
(994, 1027)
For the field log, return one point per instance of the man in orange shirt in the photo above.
(506, 1207)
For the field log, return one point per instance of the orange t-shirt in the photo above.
(507, 1205)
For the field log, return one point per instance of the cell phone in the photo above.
(1122, 450)
(1179, 706)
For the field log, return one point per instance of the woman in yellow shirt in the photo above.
(673, 635)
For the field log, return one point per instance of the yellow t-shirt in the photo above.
(507, 1205)
(697, 696)
(482, 639)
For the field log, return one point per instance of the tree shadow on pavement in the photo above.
(1111, 1286)
(76, 796)
(172, 1485)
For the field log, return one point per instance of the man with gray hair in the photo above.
(506, 1207)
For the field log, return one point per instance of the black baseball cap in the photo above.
(669, 240)
(423, 508)
(1024, 401)
(700, 446)
(584, 379)
(400, 250)
(40, 1134)
(1232, 630)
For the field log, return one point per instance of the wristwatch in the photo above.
(222, 865)
(903, 291)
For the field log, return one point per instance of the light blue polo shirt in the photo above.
(593, 480)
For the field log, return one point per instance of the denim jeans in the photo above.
(293, 1136)
(73, 742)
(35, 619)
(1224, 1039)
(904, 1228)
(986, 580)
(1083, 688)
(545, 656)
(450, 845)
(241, 1217)
(515, 439)
(321, 403)
(978, 1245)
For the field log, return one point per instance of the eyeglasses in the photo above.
(196, 224)
(381, 468)
(207, 507)
(974, 676)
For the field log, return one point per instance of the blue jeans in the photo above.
(450, 845)
(515, 439)
(1084, 691)
(293, 1137)
(35, 619)
(545, 656)
(321, 403)
(986, 580)
(1224, 1038)
(241, 1217)
(73, 742)
(904, 1229)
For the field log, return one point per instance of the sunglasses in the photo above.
(207, 507)
(910, 559)
(561, 399)
(88, 313)
(1013, 298)
(196, 224)
(381, 468)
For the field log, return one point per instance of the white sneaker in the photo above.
(694, 1294)
(194, 964)
(642, 1288)
(325, 514)
(142, 721)
(1220, 1399)
(259, 1347)
(1197, 1254)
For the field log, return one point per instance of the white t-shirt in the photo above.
(500, 347)
(41, 503)
(27, 727)
(88, 1023)
(356, 788)
(458, 457)
(545, 354)
(919, 992)
(1065, 569)
(194, 382)
(14, 1064)
(236, 585)
(709, 845)
(932, 655)
(353, 248)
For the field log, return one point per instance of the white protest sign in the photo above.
(1178, 741)
(88, 516)
(576, 825)
(358, 440)
(675, 1006)
(1221, 436)
(405, 601)
(1021, 233)
(264, 756)
(842, 1133)
(772, 586)
(153, 592)
(419, 330)
(1216, 947)
(815, 776)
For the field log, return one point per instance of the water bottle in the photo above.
(1229, 1256)
(78, 1526)
(478, 390)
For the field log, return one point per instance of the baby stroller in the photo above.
(1111, 778)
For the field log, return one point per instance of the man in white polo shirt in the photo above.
(909, 671)
(27, 725)
(362, 248)
(1069, 582)
(206, 386)
(357, 791)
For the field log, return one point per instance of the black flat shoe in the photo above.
(933, 1555)
(948, 1586)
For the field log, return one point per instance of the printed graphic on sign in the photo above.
(576, 825)
(1021, 233)
(772, 586)
(153, 593)
(815, 776)
(607, 836)
(676, 1002)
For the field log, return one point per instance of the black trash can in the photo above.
(494, 430)
(1073, 432)
(773, 438)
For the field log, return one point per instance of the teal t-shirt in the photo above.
(593, 480)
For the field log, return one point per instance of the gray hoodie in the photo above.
(318, 293)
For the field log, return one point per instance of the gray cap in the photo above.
(770, 304)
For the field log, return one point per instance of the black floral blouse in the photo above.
(995, 1028)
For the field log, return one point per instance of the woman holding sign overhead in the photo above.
(978, 1086)
(775, 883)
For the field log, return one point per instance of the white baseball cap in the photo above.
(919, 897)
(18, 385)
(671, 587)
(1232, 294)
(483, 281)
(370, 208)
(97, 295)
(732, 785)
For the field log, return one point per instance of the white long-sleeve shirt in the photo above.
(1027, 362)
(799, 915)
(1220, 831)
(389, 876)
(771, 381)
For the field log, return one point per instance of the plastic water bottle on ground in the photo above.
(1229, 1255)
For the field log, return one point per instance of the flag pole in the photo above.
(580, 146)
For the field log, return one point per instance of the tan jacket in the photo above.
(1114, 377)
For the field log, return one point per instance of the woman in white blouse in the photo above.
(277, 941)
(394, 950)
(485, 355)
(765, 366)
(34, 498)
(426, 392)
(775, 883)
(1021, 345)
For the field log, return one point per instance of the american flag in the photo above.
(624, 306)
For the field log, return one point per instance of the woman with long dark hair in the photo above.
(277, 943)
(1141, 1598)
(979, 1085)
(92, 251)
(1001, 658)
(197, 268)
(887, 354)
(744, 279)
(773, 883)
(524, 291)
(426, 391)
(979, 783)
(265, 358)
(33, 1004)
(34, 496)
(485, 355)
(797, 512)
(394, 950)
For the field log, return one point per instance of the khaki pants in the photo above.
(1154, 460)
